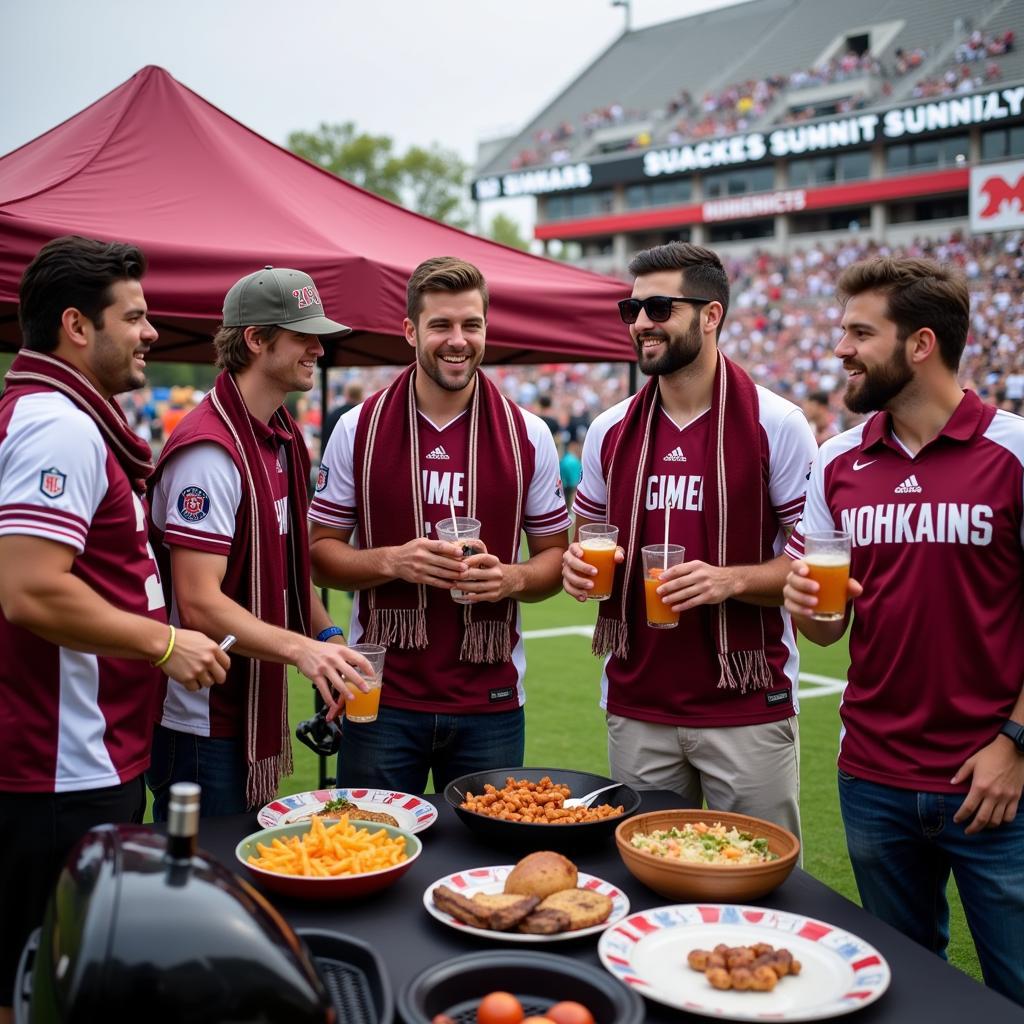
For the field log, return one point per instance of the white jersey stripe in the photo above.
(83, 761)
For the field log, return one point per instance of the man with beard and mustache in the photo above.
(229, 517)
(441, 437)
(708, 708)
(931, 490)
(83, 623)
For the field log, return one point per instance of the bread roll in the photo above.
(540, 874)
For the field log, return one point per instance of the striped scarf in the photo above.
(31, 370)
(390, 499)
(738, 530)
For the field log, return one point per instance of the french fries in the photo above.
(328, 851)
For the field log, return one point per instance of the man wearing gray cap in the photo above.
(229, 513)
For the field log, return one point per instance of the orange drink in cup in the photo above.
(364, 706)
(599, 541)
(827, 554)
(657, 558)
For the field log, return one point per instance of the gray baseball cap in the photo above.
(281, 297)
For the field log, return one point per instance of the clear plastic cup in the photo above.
(657, 558)
(599, 541)
(455, 530)
(365, 706)
(827, 554)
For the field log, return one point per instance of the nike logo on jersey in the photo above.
(676, 455)
(858, 465)
(438, 453)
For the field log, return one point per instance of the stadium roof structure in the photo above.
(209, 200)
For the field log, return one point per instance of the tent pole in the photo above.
(325, 364)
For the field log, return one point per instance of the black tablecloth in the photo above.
(923, 988)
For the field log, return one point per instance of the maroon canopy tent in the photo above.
(208, 200)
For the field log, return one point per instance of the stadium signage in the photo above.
(790, 140)
(997, 197)
(764, 205)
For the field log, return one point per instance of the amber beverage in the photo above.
(656, 559)
(827, 554)
(598, 542)
(365, 706)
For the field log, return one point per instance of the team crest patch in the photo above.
(51, 482)
(193, 504)
(321, 477)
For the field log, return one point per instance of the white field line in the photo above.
(819, 686)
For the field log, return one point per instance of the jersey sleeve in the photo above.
(196, 500)
(816, 514)
(591, 500)
(334, 501)
(793, 450)
(545, 501)
(53, 473)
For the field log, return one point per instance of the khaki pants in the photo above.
(749, 769)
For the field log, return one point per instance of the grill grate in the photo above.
(349, 990)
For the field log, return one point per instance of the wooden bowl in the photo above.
(726, 883)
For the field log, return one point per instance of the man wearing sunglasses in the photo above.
(718, 465)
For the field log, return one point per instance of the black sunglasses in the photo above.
(657, 307)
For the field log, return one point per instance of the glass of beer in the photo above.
(657, 558)
(456, 530)
(599, 541)
(827, 554)
(364, 706)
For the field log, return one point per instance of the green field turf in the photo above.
(565, 728)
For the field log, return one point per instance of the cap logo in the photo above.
(307, 296)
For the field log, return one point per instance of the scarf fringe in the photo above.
(611, 636)
(264, 777)
(397, 627)
(747, 670)
(487, 642)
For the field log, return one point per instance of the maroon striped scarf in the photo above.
(256, 577)
(31, 370)
(390, 500)
(736, 501)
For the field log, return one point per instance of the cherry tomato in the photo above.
(499, 1008)
(569, 1012)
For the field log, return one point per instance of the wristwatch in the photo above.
(1016, 733)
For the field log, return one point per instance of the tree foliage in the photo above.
(430, 181)
(506, 230)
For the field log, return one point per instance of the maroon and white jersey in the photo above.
(433, 678)
(195, 505)
(937, 644)
(69, 720)
(671, 675)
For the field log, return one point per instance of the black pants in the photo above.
(38, 831)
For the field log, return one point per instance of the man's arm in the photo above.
(692, 584)
(487, 579)
(997, 780)
(39, 592)
(197, 578)
(577, 575)
(338, 564)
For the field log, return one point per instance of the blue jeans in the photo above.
(903, 844)
(218, 765)
(401, 747)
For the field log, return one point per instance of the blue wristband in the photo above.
(326, 634)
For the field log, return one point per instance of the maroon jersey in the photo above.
(434, 679)
(69, 720)
(671, 675)
(937, 644)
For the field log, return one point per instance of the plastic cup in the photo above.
(827, 554)
(599, 541)
(467, 529)
(658, 557)
(364, 706)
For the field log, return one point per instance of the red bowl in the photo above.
(339, 887)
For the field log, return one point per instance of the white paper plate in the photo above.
(492, 880)
(413, 813)
(648, 951)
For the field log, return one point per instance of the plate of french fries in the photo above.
(328, 858)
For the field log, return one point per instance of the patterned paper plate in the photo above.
(492, 880)
(412, 813)
(648, 951)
